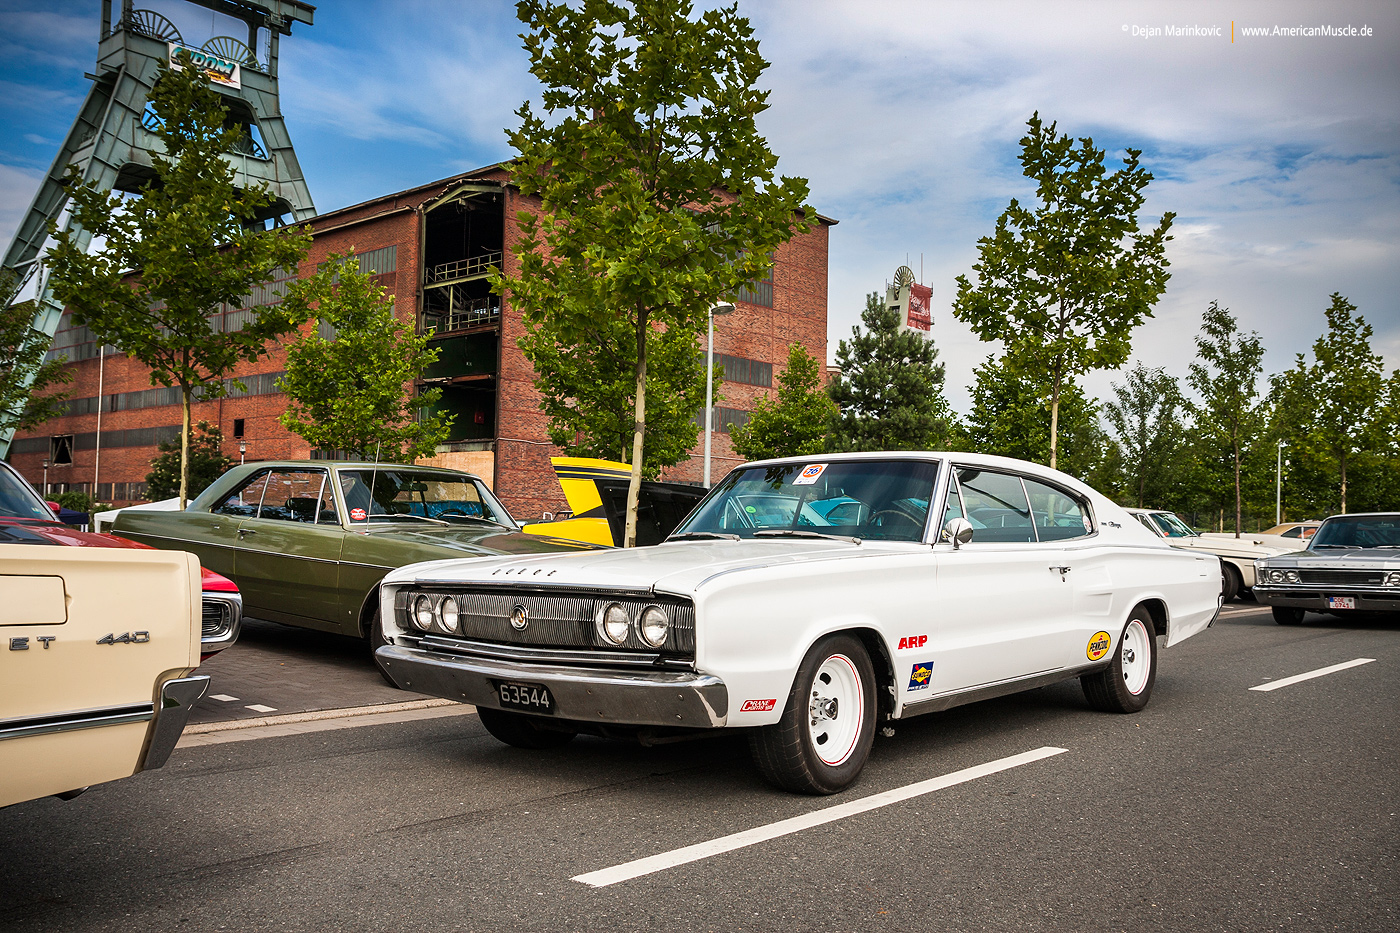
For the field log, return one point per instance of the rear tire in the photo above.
(828, 726)
(1230, 582)
(1125, 685)
(1287, 615)
(520, 730)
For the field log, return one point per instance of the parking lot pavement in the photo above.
(1218, 807)
(274, 670)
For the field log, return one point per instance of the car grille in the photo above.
(1342, 577)
(555, 621)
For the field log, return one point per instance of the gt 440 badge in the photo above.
(920, 676)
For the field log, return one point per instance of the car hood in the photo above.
(679, 567)
(1364, 559)
(1230, 546)
(476, 540)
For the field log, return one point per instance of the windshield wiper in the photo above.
(1340, 547)
(793, 533)
(704, 534)
(393, 517)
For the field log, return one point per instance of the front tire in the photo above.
(520, 730)
(1287, 615)
(828, 726)
(1230, 583)
(1125, 685)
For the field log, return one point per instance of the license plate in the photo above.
(1341, 602)
(535, 698)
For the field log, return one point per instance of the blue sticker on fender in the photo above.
(921, 675)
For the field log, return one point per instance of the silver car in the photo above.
(1351, 565)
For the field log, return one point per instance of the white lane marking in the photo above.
(1320, 672)
(259, 708)
(702, 850)
(223, 697)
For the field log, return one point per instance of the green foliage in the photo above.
(23, 373)
(206, 464)
(1145, 415)
(797, 422)
(353, 392)
(657, 193)
(192, 239)
(890, 388)
(77, 501)
(1010, 418)
(1341, 409)
(1225, 376)
(1063, 285)
(587, 391)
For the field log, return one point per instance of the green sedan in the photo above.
(307, 542)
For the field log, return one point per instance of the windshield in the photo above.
(1361, 531)
(879, 499)
(17, 500)
(1171, 526)
(396, 494)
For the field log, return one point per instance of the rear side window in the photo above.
(1057, 515)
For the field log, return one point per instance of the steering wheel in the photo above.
(454, 513)
(902, 516)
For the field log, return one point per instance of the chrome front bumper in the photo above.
(638, 698)
(177, 699)
(1313, 596)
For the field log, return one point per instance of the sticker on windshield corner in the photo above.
(357, 515)
(920, 676)
(809, 474)
(1098, 645)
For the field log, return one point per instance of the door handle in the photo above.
(1061, 571)
(245, 531)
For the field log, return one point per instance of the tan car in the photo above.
(1237, 555)
(98, 648)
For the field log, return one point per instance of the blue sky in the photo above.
(1280, 155)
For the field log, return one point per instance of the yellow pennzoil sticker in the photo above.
(1098, 645)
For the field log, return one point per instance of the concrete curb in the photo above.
(319, 715)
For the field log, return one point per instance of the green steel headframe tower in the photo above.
(110, 138)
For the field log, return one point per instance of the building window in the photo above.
(759, 292)
(61, 449)
(237, 428)
(738, 369)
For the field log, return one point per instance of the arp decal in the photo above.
(809, 474)
(921, 676)
(757, 706)
(913, 641)
(1098, 645)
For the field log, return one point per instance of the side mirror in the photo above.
(959, 531)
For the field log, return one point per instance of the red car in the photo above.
(26, 519)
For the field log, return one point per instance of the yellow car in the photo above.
(597, 495)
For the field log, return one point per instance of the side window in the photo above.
(296, 496)
(1147, 523)
(952, 507)
(996, 505)
(1292, 533)
(1057, 515)
(244, 500)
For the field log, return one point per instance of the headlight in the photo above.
(423, 613)
(1393, 578)
(447, 613)
(614, 624)
(1290, 576)
(653, 626)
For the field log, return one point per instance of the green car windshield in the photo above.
(871, 499)
(376, 495)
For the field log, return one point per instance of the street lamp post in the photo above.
(46, 477)
(721, 308)
(1278, 485)
(242, 450)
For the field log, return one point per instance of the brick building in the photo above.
(431, 247)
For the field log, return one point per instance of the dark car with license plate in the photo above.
(307, 542)
(1352, 565)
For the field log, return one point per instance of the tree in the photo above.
(1226, 377)
(1063, 285)
(22, 351)
(1010, 418)
(353, 392)
(657, 193)
(205, 458)
(796, 423)
(177, 252)
(587, 391)
(1144, 413)
(889, 389)
(1338, 404)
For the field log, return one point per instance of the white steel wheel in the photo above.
(1135, 659)
(835, 711)
(823, 739)
(1125, 685)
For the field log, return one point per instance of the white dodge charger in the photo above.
(810, 601)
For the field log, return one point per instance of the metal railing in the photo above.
(464, 268)
(473, 314)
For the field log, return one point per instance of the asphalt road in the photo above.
(1217, 808)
